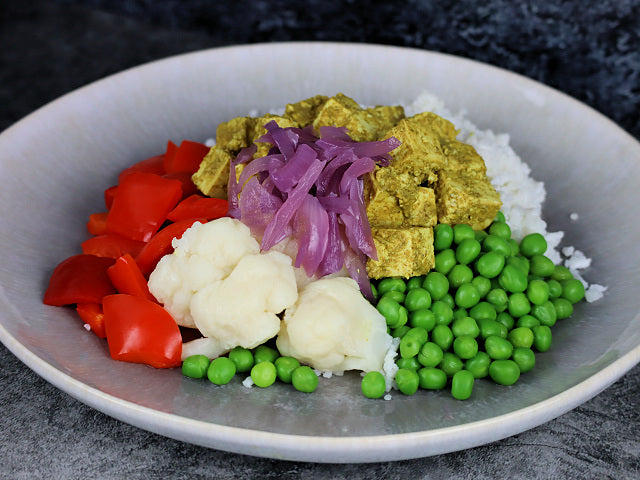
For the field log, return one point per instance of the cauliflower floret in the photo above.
(242, 309)
(217, 280)
(332, 327)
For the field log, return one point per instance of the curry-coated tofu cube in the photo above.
(463, 157)
(402, 252)
(336, 112)
(418, 206)
(383, 209)
(305, 111)
(235, 134)
(469, 199)
(213, 175)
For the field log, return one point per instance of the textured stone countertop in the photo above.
(48, 48)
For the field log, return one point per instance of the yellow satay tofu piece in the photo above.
(463, 198)
(235, 134)
(383, 209)
(463, 157)
(418, 206)
(402, 252)
(213, 175)
(305, 111)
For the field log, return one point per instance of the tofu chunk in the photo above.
(212, 177)
(305, 111)
(402, 252)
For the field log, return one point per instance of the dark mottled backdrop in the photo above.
(590, 50)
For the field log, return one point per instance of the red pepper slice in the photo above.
(97, 224)
(160, 245)
(188, 187)
(111, 245)
(153, 165)
(198, 206)
(186, 158)
(141, 205)
(127, 278)
(79, 279)
(109, 195)
(141, 331)
(92, 315)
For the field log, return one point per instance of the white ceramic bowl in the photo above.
(56, 162)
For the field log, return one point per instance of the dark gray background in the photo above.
(590, 50)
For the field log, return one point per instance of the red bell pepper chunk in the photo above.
(92, 315)
(79, 279)
(198, 206)
(186, 158)
(111, 245)
(127, 278)
(160, 245)
(141, 331)
(97, 224)
(141, 205)
(188, 187)
(153, 165)
(109, 195)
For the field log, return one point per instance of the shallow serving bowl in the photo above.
(56, 162)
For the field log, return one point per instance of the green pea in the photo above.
(445, 261)
(417, 298)
(482, 284)
(496, 244)
(533, 244)
(478, 365)
(538, 291)
(520, 262)
(400, 331)
(542, 338)
(436, 284)
(512, 279)
(442, 312)
(460, 313)
(468, 250)
(451, 364)
(465, 326)
(500, 218)
(415, 282)
(462, 385)
(528, 321)
(481, 235)
(390, 284)
(422, 317)
(490, 327)
(465, 347)
(498, 348)
(564, 308)
(498, 298)
(561, 273)
(264, 353)
(524, 358)
(390, 310)
(459, 274)
(500, 229)
(430, 355)
(483, 310)
(264, 374)
(442, 236)
(394, 295)
(373, 385)
(521, 337)
(518, 305)
(442, 336)
(505, 319)
(490, 264)
(432, 378)
(304, 379)
(555, 288)
(285, 367)
(504, 372)
(545, 313)
(243, 358)
(573, 290)
(407, 381)
(541, 266)
(195, 366)
(461, 232)
(449, 300)
(374, 291)
(221, 370)
(409, 363)
(514, 246)
(410, 345)
(467, 295)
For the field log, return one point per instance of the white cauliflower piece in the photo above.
(242, 309)
(332, 327)
(217, 280)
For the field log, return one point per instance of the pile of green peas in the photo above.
(264, 364)
(484, 310)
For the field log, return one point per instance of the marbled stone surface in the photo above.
(590, 50)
